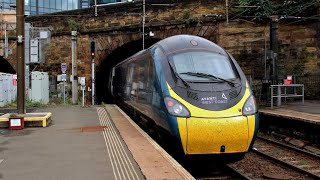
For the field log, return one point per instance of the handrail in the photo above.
(279, 95)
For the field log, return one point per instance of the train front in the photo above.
(209, 99)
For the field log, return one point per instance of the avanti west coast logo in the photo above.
(214, 99)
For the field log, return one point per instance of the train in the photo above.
(192, 89)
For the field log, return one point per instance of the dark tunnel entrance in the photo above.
(118, 55)
(5, 66)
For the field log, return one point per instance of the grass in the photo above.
(28, 104)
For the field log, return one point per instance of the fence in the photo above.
(311, 85)
(282, 92)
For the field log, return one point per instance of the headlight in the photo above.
(175, 108)
(249, 107)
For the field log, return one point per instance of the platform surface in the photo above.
(309, 111)
(84, 143)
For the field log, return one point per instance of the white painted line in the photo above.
(104, 136)
(121, 163)
(1, 160)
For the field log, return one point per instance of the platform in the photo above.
(85, 143)
(308, 112)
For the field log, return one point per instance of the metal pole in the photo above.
(82, 98)
(143, 21)
(227, 11)
(5, 40)
(74, 77)
(20, 58)
(64, 92)
(274, 45)
(95, 8)
(265, 56)
(93, 81)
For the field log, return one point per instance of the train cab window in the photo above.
(210, 63)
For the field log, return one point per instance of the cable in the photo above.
(305, 18)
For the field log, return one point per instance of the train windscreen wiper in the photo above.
(205, 75)
(178, 77)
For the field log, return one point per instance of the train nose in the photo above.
(215, 136)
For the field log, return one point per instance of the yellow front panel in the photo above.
(206, 136)
(252, 125)
(182, 124)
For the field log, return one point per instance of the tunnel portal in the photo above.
(118, 55)
(5, 66)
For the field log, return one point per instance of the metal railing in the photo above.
(283, 94)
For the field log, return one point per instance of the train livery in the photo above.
(194, 90)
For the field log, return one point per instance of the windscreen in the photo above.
(203, 62)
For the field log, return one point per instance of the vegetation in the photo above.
(189, 18)
(261, 9)
(29, 103)
(73, 25)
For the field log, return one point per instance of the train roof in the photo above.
(180, 42)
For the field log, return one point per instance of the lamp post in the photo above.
(74, 67)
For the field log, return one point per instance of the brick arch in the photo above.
(106, 43)
(117, 55)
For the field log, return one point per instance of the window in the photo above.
(203, 62)
(33, 2)
(58, 4)
(52, 4)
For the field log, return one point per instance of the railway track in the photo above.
(215, 171)
(302, 161)
(256, 166)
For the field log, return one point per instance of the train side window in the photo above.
(129, 83)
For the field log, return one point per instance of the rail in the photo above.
(279, 94)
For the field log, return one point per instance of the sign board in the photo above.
(16, 123)
(34, 51)
(82, 81)
(14, 80)
(63, 77)
(44, 35)
(63, 67)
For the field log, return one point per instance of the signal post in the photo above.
(92, 52)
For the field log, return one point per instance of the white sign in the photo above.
(82, 81)
(43, 34)
(63, 67)
(34, 50)
(63, 77)
(15, 122)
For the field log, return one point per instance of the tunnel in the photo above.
(5, 66)
(118, 55)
